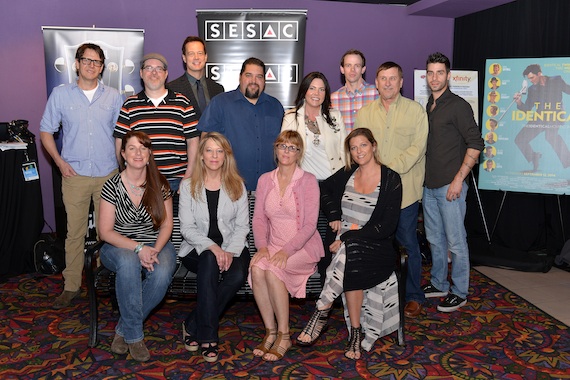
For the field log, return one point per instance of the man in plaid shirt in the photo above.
(356, 93)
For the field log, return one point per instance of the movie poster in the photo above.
(274, 36)
(525, 126)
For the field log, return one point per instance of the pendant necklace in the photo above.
(314, 128)
(137, 191)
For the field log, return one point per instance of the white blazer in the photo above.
(334, 141)
(233, 221)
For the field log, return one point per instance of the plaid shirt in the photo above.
(348, 103)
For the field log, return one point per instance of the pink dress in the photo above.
(282, 214)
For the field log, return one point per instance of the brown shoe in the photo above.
(412, 309)
(119, 346)
(138, 351)
(64, 299)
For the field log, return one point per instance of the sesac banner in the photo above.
(525, 126)
(123, 49)
(274, 36)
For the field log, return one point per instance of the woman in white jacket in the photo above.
(321, 127)
(214, 222)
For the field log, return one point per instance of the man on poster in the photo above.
(546, 95)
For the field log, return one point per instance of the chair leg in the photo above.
(93, 312)
(401, 274)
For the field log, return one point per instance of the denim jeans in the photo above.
(407, 237)
(214, 293)
(137, 294)
(174, 184)
(445, 230)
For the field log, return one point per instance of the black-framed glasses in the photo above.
(88, 61)
(158, 69)
(288, 148)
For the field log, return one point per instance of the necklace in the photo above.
(314, 128)
(137, 191)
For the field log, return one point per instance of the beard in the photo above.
(252, 94)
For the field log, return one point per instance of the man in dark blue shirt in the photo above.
(250, 119)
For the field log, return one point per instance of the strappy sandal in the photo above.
(277, 350)
(190, 343)
(208, 351)
(354, 343)
(316, 326)
(265, 344)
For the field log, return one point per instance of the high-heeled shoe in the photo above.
(354, 343)
(316, 326)
(190, 343)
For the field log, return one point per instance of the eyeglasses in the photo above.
(288, 148)
(87, 62)
(158, 69)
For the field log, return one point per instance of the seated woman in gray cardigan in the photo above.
(214, 222)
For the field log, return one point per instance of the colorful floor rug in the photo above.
(497, 335)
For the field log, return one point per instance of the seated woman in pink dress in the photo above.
(288, 244)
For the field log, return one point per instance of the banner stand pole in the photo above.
(480, 204)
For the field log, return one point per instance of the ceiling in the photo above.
(395, 2)
(438, 8)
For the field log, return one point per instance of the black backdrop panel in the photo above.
(21, 213)
(525, 28)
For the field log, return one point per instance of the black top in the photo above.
(212, 198)
(452, 129)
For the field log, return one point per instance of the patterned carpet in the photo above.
(497, 335)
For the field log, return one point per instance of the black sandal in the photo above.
(316, 326)
(190, 343)
(207, 351)
(354, 343)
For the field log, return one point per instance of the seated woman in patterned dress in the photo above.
(362, 204)
(287, 241)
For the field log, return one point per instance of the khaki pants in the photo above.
(77, 193)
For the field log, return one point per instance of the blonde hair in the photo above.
(232, 182)
(292, 137)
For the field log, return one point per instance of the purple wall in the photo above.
(382, 32)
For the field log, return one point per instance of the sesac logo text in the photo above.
(252, 30)
(274, 73)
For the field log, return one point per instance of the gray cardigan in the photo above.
(233, 221)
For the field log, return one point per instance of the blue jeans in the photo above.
(214, 293)
(138, 290)
(407, 237)
(174, 184)
(445, 230)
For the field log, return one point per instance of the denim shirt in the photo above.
(250, 128)
(87, 127)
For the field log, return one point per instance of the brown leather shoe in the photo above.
(138, 351)
(119, 346)
(412, 309)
